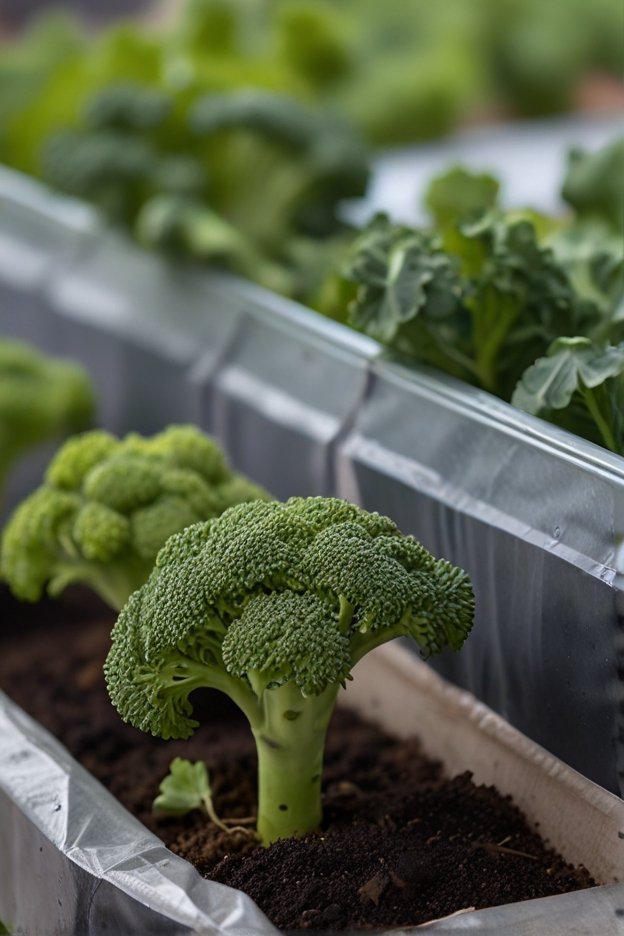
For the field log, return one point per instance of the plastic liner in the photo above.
(74, 858)
(78, 863)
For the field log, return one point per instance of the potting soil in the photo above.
(401, 843)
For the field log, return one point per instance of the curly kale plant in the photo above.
(40, 399)
(274, 604)
(107, 507)
(484, 293)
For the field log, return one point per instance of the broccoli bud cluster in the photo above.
(274, 603)
(107, 507)
(40, 398)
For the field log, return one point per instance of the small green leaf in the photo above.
(401, 274)
(458, 194)
(570, 364)
(594, 183)
(186, 787)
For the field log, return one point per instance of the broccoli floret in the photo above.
(40, 398)
(107, 507)
(274, 604)
(272, 157)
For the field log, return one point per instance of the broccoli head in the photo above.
(274, 604)
(40, 398)
(107, 507)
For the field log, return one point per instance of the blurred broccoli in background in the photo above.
(106, 507)
(242, 180)
(41, 399)
(399, 71)
(232, 134)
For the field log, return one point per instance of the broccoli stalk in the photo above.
(274, 604)
(40, 399)
(108, 505)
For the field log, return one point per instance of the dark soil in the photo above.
(400, 842)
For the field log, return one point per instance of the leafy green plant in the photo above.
(574, 380)
(41, 399)
(480, 300)
(108, 505)
(594, 183)
(274, 604)
(484, 294)
(186, 788)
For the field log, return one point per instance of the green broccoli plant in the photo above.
(187, 787)
(40, 399)
(578, 384)
(107, 506)
(274, 604)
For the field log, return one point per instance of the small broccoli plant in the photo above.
(274, 604)
(41, 398)
(108, 505)
(187, 787)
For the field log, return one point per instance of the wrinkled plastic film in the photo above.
(76, 856)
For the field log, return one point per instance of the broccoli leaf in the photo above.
(594, 183)
(458, 194)
(186, 787)
(575, 369)
(402, 276)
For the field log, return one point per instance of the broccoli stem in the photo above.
(290, 740)
(600, 414)
(114, 582)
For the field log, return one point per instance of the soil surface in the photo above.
(400, 844)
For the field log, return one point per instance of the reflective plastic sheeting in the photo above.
(75, 862)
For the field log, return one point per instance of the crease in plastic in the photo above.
(96, 834)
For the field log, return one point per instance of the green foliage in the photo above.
(71, 104)
(400, 71)
(274, 604)
(479, 300)
(485, 293)
(108, 505)
(577, 375)
(457, 195)
(186, 787)
(41, 399)
(594, 184)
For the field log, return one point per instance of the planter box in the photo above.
(305, 406)
(79, 861)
